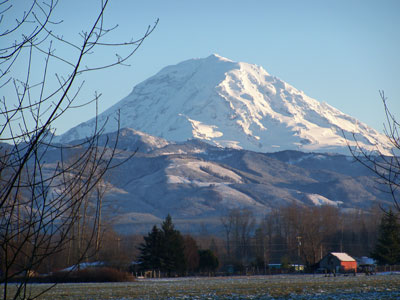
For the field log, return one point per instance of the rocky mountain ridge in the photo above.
(197, 182)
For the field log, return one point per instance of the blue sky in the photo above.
(340, 52)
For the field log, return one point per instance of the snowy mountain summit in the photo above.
(232, 104)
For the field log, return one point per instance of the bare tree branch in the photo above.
(46, 209)
(386, 167)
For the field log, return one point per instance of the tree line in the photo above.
(297, 234)
(289, 236)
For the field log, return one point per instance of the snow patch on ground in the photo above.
(319, 200)
(234, 199)
(135, 217)
(196, 168)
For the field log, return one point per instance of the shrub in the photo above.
(102, 274)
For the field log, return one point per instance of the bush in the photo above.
(102, 274)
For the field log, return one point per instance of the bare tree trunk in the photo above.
(227, 224)
(40, 223)
(100, 192)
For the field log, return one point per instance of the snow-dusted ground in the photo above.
(319, 200)
(241, 287)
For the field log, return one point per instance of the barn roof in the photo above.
(343, 256)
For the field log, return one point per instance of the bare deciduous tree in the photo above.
(239, 226)
(40, 203)
(308, 230)
(386, 167)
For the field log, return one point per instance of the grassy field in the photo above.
(255, 287)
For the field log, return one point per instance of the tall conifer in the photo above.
(151, 250)
(387, 249)
(173, 257)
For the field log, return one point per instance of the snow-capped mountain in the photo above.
(232, 104)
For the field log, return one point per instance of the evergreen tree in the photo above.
(173, 257)
(387, 249)
(151, 250)
(208, 262)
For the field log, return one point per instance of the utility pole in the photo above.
(321, 251)
(298, 246)
(265, 257)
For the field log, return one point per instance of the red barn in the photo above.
(337, 262)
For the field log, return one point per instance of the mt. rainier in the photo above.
(232, 104)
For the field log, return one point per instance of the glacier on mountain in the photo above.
(236, 105)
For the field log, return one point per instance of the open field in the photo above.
(254, 287)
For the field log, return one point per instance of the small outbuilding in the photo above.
(366, 265)
(338, 262)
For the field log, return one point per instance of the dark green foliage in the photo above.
(163, 249)
(208, 262)
(151, 250)
(387, 249)
(172, 255)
